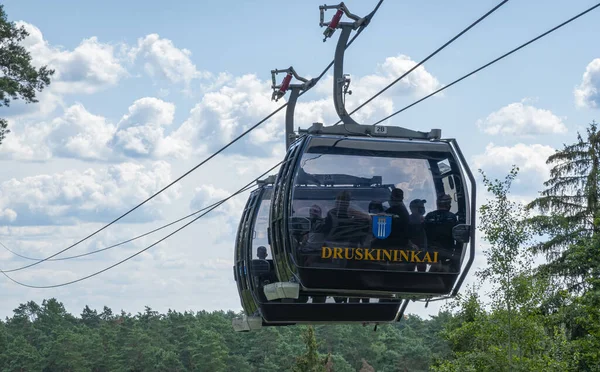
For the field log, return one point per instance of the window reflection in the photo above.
(261, 225)
(374, 211)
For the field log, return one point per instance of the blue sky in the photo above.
(129, 111)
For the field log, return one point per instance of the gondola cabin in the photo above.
(367, 211)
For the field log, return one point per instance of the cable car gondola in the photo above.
(367, 243)
(338, 223)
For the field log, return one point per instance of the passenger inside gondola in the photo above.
(416, 220)
(438, 227)
(401, 234)
(316, 235)
(346, 225)
(263, 279)
(261, 252)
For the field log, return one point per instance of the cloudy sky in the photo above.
(143, 92)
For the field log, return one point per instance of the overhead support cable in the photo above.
(490, 63)
(145, 249)
(111, 246)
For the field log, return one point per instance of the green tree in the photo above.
(19, 79)
(310, 361)
(47, 338)
(570, 210)
(570, 204)
(21, 356)
(508, 261)
(511, 336)
(570, 222)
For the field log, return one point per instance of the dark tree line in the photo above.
(47, 338)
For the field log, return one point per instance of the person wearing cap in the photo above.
(442, 214)
(417, 209)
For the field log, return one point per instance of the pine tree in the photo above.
(570, 208)
(310, 360)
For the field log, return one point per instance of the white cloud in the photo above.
(220, 116)
(419, 82)
(141, 131)
(92, 195)
(77, 134)
(200, 253)
(205, 195)
(162, 58)
(497, 161)
(217, 119)
(80, 134)
(587, 94)
(88, 68)
(521, 119)
(26, 142)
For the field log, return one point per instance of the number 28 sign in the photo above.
(380, 130)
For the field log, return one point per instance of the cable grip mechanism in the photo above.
(280, 90)
(335, 21)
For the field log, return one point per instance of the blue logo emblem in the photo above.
(382, 226)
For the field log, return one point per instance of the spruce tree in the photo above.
(570, 211)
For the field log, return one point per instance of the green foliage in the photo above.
(570, 224)
(502, 225)
(18, 78)
(511, 335)
(310, 361)
(47, 338)
(570, 204)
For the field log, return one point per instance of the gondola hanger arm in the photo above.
(280, 90)
(335, 23)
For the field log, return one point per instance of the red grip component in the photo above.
(336, 18)
(286, 83)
